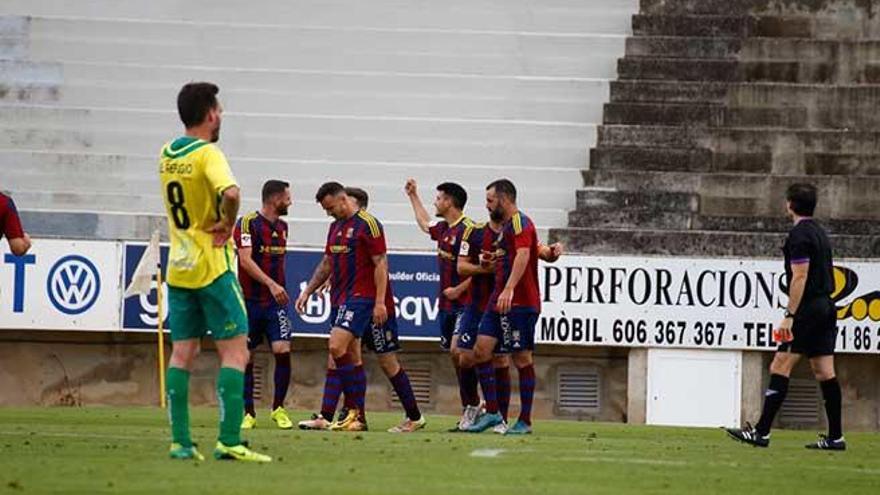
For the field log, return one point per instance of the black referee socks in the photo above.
(833, 398)
(773, 399)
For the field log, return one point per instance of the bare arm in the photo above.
(798, 284)
(249, 266)
(229, 203)
(380, 277)
(20, 245)
(550, 253)
(519, 268)
(505, 299)
(228, 209)
(321, 274)
(466, 268)
(422, 217)
(453, 293)
(799, 273)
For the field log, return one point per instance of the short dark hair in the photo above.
(454, 191)
(359, 195)
(802, 198)
(328, 189)
(503, 187)
(195, 100)
(273, 187)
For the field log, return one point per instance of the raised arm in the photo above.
(421, 214)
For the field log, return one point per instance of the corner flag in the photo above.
(142, 283)
(147, 268)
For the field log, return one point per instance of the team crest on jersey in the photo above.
(350, 233)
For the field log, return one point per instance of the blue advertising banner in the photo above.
(414, 279)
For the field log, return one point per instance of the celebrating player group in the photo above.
(489, 299)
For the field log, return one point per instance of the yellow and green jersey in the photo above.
(194, 173)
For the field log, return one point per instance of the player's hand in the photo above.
(222, 231)
(279, 294)
(451, 293)
(487, 258)
(411, 187)
(300, 304)
(783, 333)
(556, 250)
(505, 301)
(325, 287)
(380, 314)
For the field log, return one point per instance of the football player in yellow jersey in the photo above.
(201, 203)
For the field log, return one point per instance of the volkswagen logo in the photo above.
(73, 284)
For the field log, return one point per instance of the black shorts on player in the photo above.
(814, 329)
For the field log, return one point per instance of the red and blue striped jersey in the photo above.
(448, 237)
(10, 223)
(518, 232)
(351, 245)
(268, 243)
(476, 240)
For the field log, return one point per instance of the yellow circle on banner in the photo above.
(874, 310)
(859, 309)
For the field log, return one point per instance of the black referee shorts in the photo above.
(814, 329)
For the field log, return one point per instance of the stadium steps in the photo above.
(718, 108)
(772, 95)
(615, 209)
(827, 51)
(667, 242)
(369, 94)
(836, 191)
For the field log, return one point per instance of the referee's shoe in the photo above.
(825, 443)
(749, 435)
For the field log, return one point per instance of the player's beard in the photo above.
(215, 134)
(282, 211)
(497, 215)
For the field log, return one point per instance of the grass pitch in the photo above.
(124, 450)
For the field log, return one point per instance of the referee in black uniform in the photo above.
(809, 326)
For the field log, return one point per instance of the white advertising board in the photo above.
(692, 303)
(61, 285)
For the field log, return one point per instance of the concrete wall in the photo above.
(92, 368)
(64, 368)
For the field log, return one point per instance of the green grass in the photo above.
(123, 450)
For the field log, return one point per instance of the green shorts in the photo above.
(217, 307)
